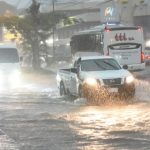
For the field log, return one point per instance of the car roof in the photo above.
(102, 27)
(93, 57)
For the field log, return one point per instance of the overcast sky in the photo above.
(18, 3)
(25, 3)
(13, 2)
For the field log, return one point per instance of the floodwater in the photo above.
(35, 117)
(116, 126)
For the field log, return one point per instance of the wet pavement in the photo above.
(35, 117)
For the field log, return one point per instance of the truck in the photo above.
(99, 72)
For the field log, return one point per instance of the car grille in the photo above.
(111, 82)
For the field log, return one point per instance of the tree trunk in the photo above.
(36, 60)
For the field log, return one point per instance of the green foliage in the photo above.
(70, 21)
(33, 27)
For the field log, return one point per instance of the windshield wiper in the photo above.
(99, 65)
(114, 67)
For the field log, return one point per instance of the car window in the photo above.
(8, 55)
(99, 65)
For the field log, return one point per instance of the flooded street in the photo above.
(74, 75)
(117, 127)
(35, 117)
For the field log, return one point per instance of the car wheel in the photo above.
(62, 89)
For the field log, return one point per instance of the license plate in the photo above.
(113, 90)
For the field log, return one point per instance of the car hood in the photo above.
(108, 74)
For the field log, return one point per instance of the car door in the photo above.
(73, 83)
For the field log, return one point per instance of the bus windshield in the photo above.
(8, 55)
(99, 65)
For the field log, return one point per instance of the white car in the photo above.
(95, 72)
(10, 74)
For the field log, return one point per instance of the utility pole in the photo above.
(53, 3)
(1, 33)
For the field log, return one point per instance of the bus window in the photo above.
(87, 43)
(99, 43)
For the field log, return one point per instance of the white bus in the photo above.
(125, 44)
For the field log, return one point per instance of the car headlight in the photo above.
(15, 77)
(129, 79)
(90, 81)
(15, 74)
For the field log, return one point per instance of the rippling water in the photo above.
(115, 127)
(45, 120)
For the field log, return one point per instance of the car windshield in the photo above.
(8, 55)
(99, 65)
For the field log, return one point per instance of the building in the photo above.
(83, 14)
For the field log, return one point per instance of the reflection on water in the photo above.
(112, 127)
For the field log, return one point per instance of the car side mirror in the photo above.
(78, 66)
(125, 67)
(75, 70)
(78, 69)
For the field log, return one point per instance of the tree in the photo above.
(35, 27)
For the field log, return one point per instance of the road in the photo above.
(35, 117)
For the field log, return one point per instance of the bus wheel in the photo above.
(62, 90)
